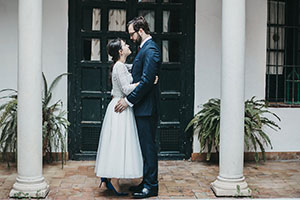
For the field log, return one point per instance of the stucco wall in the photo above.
(55, 46)
(208, 66)
(8, 43)
(54, 53)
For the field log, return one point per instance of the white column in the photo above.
(30, 181)
(231, 181)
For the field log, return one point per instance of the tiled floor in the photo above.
(177, 180)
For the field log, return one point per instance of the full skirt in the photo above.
(119, 152)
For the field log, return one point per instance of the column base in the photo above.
(25, 187)
(230, 187)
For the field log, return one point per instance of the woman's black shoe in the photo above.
(103, 180)
(111, 187)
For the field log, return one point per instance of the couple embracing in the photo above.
(127, 146)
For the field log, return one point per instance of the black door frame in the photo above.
(187, 109)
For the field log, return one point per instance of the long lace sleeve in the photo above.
(124, 79)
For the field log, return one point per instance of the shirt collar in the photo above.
(148, 38)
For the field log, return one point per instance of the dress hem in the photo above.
(131, 177)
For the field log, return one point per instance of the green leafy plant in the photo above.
(207, 124)
(54, 123)
(8, 123)
(21, 195)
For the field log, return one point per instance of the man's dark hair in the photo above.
(139, 22)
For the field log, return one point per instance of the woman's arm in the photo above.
(122, 78)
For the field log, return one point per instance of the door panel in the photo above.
(93, 23)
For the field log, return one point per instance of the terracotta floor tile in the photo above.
(178, 180)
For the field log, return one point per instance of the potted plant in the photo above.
(54, 123)
(8, 124)
(207, 125)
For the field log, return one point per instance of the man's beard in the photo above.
(138, 40)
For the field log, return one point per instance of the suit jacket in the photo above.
(146, 65)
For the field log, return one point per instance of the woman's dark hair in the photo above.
(113, 48)
(139, 22)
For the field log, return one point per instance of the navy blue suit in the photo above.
(145, 98)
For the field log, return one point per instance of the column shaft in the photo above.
(232, 89)
(30, 180)
(230, 181)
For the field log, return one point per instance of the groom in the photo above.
(144, 99)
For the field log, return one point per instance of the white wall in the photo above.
(54, 55)
(207, 54)
(207, 50)
(55, 44)
(208, 66)
(8, 43)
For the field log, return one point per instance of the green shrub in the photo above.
(55, 124)
(207, 125)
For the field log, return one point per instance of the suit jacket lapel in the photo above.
(146, 43)
(140, 53)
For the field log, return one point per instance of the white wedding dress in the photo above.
(119, 153)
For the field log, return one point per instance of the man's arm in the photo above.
(150, 70)
(123, 103)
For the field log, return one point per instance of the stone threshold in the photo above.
(249, 156)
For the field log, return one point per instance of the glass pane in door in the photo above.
(96, 23)
(172, 21)
(91, 50)
(170, 51)
(91, 19)
(149, 16)
(117, 20)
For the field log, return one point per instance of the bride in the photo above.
(119, 153)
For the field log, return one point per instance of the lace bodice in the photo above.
(121, 80)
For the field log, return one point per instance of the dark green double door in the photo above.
(92, 24)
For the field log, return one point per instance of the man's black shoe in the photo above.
(145, 193)
(137, 188)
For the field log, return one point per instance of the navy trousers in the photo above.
(147, 130)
